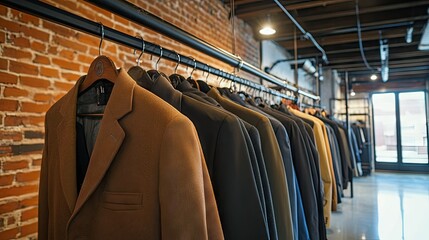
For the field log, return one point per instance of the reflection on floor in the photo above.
(385, 206)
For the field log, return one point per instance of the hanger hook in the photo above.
(208, 72)
(195, 66)
(178, 63)
(159, 59)
(142, 50)
(102, 38)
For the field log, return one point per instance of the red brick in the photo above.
(34, 107)
(29, 202)
(28, 229)
(71, 44)
(9, 25)
(9, 234)
(121, 20)
(66, 64)
(70, 76)
(68, 54)
(11, 220)
(25, 121)
(8, 78)
(35, 33)
(9, 207)
(49, 72)
(21, 42)
(2, 37)
(36, 162)
(63, 85)
(15, 92)
(58, 29)
(11, 135)
(29, 214)
(27, 176)
(53, 50)
(18, 190)
(42, 59)
(41, 97)
(15, 165)
(4, 64)
(34, 82)
(6, 180)
(5, 151)
(20, 67)
(38, 46)
(8, 105)
(16, 53)
(111, 49)
(27, 18)
(3, 10)
(88, 39)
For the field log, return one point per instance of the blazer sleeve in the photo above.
(181, 184)
(43, 211)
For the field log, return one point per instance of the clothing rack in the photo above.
(68, 19)
(140, 16)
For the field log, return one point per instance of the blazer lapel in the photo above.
(109, 138)
(66, 131)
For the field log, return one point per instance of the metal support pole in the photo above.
(346, 98)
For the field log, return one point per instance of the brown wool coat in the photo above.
(146, 178)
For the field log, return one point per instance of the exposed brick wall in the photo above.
(40, 61)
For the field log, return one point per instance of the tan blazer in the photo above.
(146, 177)
(325, 162)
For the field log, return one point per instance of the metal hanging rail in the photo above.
(68, 19)
(140, 16)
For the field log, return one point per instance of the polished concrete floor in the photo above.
(385, 206)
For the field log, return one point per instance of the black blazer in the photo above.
(227, 158)
(186, 88)
(301, 160)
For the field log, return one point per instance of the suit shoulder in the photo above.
(150, 104)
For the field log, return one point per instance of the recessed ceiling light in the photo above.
(373, 77)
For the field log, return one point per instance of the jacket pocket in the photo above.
(120, 201)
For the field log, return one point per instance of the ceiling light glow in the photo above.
(267, 30)
(373, 77)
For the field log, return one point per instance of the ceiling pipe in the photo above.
(306, 34)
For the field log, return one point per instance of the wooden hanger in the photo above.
(102, 68)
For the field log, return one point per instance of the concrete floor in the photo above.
(385, 206)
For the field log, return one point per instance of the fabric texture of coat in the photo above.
(146, 174)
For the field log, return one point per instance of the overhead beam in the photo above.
(260, 8)
(392, 64)
(381, 8)
(348, 38)
(376, 58)
(309, 52)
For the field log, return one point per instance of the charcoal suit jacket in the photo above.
(233, 171)
(145, 179)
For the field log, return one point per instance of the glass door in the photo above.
(400, 131)
(386, 147)
(413, 128)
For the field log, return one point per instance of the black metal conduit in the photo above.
(68, 19)
(140, 16)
